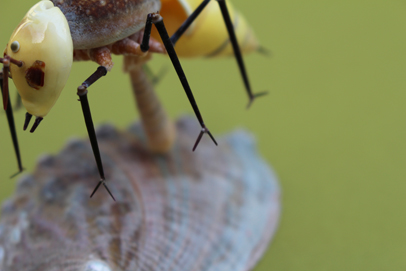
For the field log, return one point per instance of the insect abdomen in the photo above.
(207, 36)
(96, 23)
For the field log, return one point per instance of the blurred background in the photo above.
(332, 127)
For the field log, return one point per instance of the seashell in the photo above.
(213, 210)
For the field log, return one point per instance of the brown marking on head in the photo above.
(35, 75)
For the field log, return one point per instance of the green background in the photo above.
(333, 125)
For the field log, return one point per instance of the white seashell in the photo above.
(212, 210)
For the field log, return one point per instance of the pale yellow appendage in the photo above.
(159, 129)
(43, 35)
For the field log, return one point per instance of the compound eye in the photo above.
(15, 46)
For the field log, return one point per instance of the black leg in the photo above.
(157, 20)
(237, 52)
(82, 93)
(188, 22)
(28, 117)
(7, 61)
(4, 89)
(19, 103)
(11, 125)
(36, 123)
(233, 39)
(155, 78)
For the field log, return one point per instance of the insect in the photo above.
(39, 54)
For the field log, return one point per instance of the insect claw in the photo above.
(36, 123)
(204, 130)
(252, 98)
(198, 139)
(105, 186)
(264, 51)
(15, 174)
(108, 190)
(97, 187)
(212, 138)
(28, 117)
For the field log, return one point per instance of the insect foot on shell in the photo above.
(215, 209)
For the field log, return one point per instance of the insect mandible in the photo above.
(40, 52)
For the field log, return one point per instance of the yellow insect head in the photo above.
(42, 41)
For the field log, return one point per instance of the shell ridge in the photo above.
(132, 189)
(181, 228)
(264, 189)
(213, 210)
